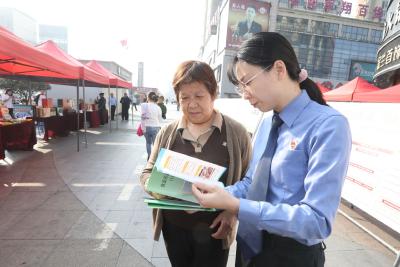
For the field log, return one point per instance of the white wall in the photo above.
(63, 91)
(240, 110)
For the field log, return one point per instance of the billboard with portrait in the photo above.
(246, 17)
(362, 69)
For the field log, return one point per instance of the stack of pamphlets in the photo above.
(173, 175)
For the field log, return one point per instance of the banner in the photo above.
(373, 179)
(371, 10)
(246, 17)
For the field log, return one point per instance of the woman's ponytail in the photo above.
(313, 91)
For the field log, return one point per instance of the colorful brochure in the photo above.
(174, 173)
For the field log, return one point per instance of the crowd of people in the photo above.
(126, 103)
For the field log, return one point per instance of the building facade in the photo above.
(388, 57)
(114, 68)
(19, 23)
(58, 34)
(334, 40)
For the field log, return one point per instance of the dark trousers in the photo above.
(193, 248)
(102, 114)
(113, 112)
(125, 113)
(281, 251)
(11, 112)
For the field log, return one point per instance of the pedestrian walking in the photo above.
(161, 104)
(113, 105)
(150, 120)
(126, 102)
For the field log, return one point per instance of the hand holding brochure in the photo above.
(174, 173)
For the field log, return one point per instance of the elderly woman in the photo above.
(201, 238)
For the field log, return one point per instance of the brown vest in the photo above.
(214, 151)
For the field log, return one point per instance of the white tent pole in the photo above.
(30, 93)
(133, 121)
(77, 116)
(116, 92)
(84, 111)
(109, 108)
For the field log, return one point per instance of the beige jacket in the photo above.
(239, 149)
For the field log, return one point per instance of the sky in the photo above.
(160, 33)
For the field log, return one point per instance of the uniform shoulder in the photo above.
(323, 112)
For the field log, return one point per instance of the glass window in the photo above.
(324, 28)
(354, 33)
(329, 58)
(291, 24)
(283, 3)
(376, 36)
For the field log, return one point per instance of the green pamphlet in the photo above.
(173, 175)
(174, 204)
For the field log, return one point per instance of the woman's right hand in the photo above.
(212, 196)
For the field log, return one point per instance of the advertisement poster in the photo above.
(365, 70)
(245, 19)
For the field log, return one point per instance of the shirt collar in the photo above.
(217, 122)
(290, 113)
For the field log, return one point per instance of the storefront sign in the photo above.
(357, 9)
(388, 57)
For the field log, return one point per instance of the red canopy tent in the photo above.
(18, 58)
(114, 80)
(389, 95)
(84, 72)
(346, 92)
(322, 88)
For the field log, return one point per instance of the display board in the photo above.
(373, 179)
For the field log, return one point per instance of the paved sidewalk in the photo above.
(63, 208)
(43, 223)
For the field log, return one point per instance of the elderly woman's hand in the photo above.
(226, 222)
(210, 196)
